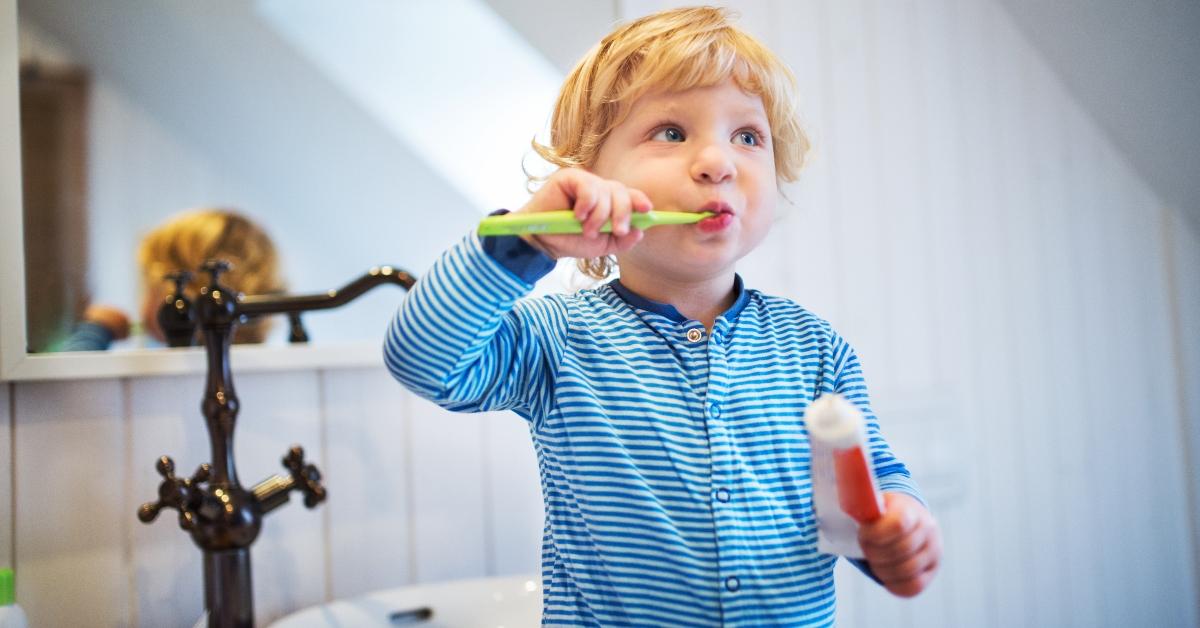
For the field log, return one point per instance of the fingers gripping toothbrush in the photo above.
(845, 491)
(564, 221)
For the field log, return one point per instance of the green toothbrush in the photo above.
(564, 222)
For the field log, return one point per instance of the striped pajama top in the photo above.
(674, 462)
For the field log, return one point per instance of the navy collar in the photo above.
(669, 311)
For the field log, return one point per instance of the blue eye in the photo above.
(669, 134)
(747, 138)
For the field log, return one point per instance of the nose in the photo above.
(713, 164)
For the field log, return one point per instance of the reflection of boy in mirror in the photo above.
(183, 243)
(665, 406)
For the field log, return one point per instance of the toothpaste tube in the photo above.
(845, 492)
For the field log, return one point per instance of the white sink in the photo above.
(507, 602)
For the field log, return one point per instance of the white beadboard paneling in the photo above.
(861, 224)
(369, 479)
(1183, 248)
(1027, 497)
(71, 508)
(1158, 478)
(902, 155)
(963, 575)
(807, 223)
(165, 419)
(974, 554)
(448, 476)
(6, 477)
(1083, 408)
(1009, 295)
(280, 410)
(1049, 421)
(514, 500)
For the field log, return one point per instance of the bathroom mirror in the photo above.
(355, 133)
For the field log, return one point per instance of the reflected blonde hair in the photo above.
(184, 243)
(672, 50)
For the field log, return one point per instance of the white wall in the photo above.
(1027, 312)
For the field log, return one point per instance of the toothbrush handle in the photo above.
(563, 221)
(523, 223)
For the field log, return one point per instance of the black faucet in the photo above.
(221, 515)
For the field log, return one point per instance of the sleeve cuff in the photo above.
(517, 256)
(902, 483)
(88, 336)
(865, 567)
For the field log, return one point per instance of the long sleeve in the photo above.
(849, 382)
(891, 473)
(88, 336)
(465, 339)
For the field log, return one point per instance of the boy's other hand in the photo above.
(594, 201)
(904, 546)
(111, 318)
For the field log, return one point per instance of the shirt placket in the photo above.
(723, 493)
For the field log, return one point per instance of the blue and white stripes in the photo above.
(674, 462)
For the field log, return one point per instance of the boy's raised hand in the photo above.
(594, 201)
(904, 546)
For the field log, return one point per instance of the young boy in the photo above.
(665, 406)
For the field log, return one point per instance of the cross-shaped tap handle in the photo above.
(174, 492)
(306, 476)
(179, 277)
(215, 267)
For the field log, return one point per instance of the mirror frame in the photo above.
(18, 365)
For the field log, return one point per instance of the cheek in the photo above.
(150, 304)
(759, 223)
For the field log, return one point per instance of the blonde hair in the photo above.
(672, 50)
(187, 240)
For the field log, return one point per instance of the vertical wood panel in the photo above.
(1183, 245)
(902, 153)
(1084, 258)
(448, 519)
(515, 512)
(165, 420)
(1056, 452)
(806, 222)
(278, 411)
(1007, 272)
(1126, 253)
(1103, 319)
(1059, 310)
(853, 131)
(1158, 478)
(369, 481)
(1030, 362)
(71, 509)
(964, 574)
(978, 293)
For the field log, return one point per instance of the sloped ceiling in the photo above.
(1135, 66)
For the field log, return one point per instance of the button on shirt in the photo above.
(674, 462)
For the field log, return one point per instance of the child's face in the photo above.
(696, 150)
